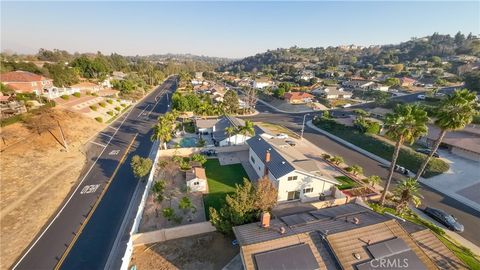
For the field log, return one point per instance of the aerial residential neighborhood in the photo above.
(240, 135)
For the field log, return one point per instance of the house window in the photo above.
(291, 178)
(308, 190)
(252, 159)
(196, 183)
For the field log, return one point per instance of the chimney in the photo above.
(267, 160)
(265, 219)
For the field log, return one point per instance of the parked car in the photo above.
(421, 97)
(427, 151)
(291, 143)
(208, 152)
(281, 136)
(444, 218)
(401, 170)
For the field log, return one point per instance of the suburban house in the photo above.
(298, 97)
(332, 92)
(358, 84)
(216, 129)
(464, 143)
(349, 236)
(26, 82)
(379, 112)
(294, 175)
(118, 75)
(407, 82)
(307, 75)
(196, 179)
(87, 87)
(9, 106)
(262, 83)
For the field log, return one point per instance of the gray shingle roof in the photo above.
(278, 165)
(224, 122)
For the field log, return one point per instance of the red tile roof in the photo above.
(21, 76)
(297, 95)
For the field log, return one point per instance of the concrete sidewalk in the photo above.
(172, 233)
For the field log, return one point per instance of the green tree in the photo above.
(230, 102)
(230, 131)
(454, 113)
(337, 160)
(374, 180)
(405, 193)
(185, 204)
(158, 189)
(168, 213)
(356, 169)
(140, 166)
(247, 129)
(199, 158)
(397, 68)
(472, 81)
(405, 125)
(392, 82)
(265, 195)
(62, 75)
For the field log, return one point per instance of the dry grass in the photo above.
(36, 176)
(275, 129)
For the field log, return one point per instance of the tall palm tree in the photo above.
(407, 192)
(405, 125)
(248, 129)
(230, 131)
(455, 112)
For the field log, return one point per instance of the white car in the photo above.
(422, 97)
(281, 136)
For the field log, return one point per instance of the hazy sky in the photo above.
(227, 29)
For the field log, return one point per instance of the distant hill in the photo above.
(292, 59)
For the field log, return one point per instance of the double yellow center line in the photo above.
(90, 214)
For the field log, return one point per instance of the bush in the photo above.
(326, 156)
(123, 105)
(99, 119)
(109, 101)
(93, 107)
(118, 108)
(111, 113)
(102, 104)
(65, 97)
(77, 94)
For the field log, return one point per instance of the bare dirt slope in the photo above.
(37, 174)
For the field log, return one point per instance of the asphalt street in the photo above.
(130, 132)
(466, 215)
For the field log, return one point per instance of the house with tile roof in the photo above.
(298, 97)
(295, 176)
(26, 82)
(349, 236)
(332, 92)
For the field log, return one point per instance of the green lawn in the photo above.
(407, 158)
(221, 181)
(346, 182)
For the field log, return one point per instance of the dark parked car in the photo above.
(427, 151)
(209, 152)
(444, 218)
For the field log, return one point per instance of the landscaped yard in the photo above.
(346, 182)
(407, 158)
(221, 181)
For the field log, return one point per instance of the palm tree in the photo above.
(230, 131)
(162, 133)
(455, 112)
(374, 180)
(407, 192)
(406, 124)
(247, 129)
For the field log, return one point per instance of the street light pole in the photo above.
(303, 125)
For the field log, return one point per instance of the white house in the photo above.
(216, 129)
(332, 92)
(262, 83)
(56, 92)
(196, 180)
(295, 176)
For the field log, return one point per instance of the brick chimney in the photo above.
(265, 219)
(267, 160)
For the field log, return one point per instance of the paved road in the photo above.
(91, 249)
(468, 216)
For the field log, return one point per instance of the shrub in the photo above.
(77, 94)
(118, 108)
(110, 113)
(199, 158)
(326, 156)
(123, 105)
(102, 104)
(93, 107)
(109, 101)
(99, 119)
(65, 97)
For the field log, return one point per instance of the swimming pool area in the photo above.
(188, 142)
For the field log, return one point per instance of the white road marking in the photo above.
(89, 189)
(70, 198)
(143, 111)
(104, 134)
(113, 128)
(114, 152)
(102, 145)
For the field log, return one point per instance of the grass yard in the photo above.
(407, 158)
(221, 181)
(346, 182)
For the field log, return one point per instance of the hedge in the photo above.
(99, 119)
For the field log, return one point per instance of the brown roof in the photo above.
(437, 251)
(464, 140)
(196, 172)
(21, 76)
(345, 244)
(297, 95)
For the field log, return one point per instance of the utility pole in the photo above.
(303, 125)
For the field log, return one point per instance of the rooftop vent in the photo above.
(357, 256)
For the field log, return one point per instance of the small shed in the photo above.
(196, 180)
